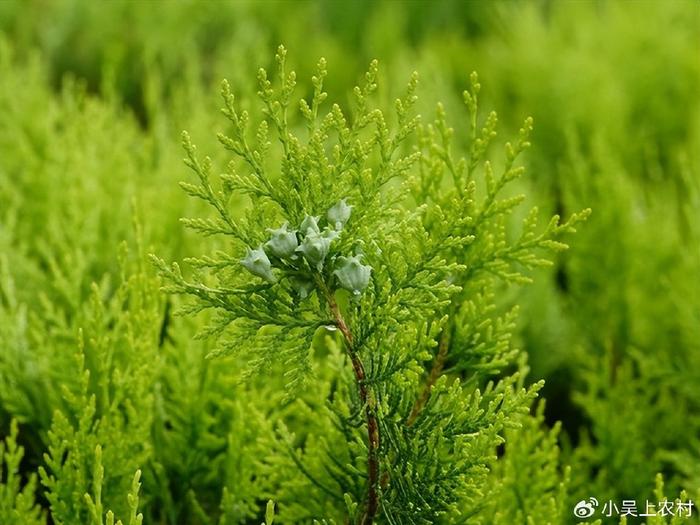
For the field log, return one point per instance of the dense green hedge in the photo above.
(100, 379)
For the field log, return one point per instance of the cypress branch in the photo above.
(368, 242)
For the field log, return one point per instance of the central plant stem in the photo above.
(368, 400)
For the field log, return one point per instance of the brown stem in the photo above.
(435, 371)
(368, 400)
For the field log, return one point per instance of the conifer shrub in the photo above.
(373, 247)
(355, 345)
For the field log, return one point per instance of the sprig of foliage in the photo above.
(17, 503)
(388, 244)
(96, 441)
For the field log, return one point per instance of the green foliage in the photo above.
(430, 239)
(530, 486)
(361, 290)
(17, 504)
(108, 409)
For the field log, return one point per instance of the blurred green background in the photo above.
(93, 96)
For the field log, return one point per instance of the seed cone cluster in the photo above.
(299, 253)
